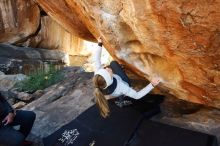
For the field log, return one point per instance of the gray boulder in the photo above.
(7, 82)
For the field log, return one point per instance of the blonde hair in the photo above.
(99, 83)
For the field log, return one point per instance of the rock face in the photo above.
(19, 28)
(15, 59)
(71, 22)
(8, 81)
(18, 20)
(175, 40)
(53, 36)
(206, 120)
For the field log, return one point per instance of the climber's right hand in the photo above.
(155, 81)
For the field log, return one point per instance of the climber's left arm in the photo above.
(97, 56)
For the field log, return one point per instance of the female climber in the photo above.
(113, 81)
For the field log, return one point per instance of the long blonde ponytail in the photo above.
(100, 99)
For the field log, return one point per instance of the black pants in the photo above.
(11, 137)
(116, 68)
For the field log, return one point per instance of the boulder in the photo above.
(78, 49)
(60, 12)
(18, 20)
(23, 96)
(14, 59)
(175, 40)
(37, 94)
(190, 116)
(19, 105)
(53, 36)
(2, 73)
(7, 82)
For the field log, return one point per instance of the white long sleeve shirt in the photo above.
(122, 87)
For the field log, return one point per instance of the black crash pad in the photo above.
(147, 103)
(151, 133)
(90, 128)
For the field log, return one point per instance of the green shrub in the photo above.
(40, 80)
